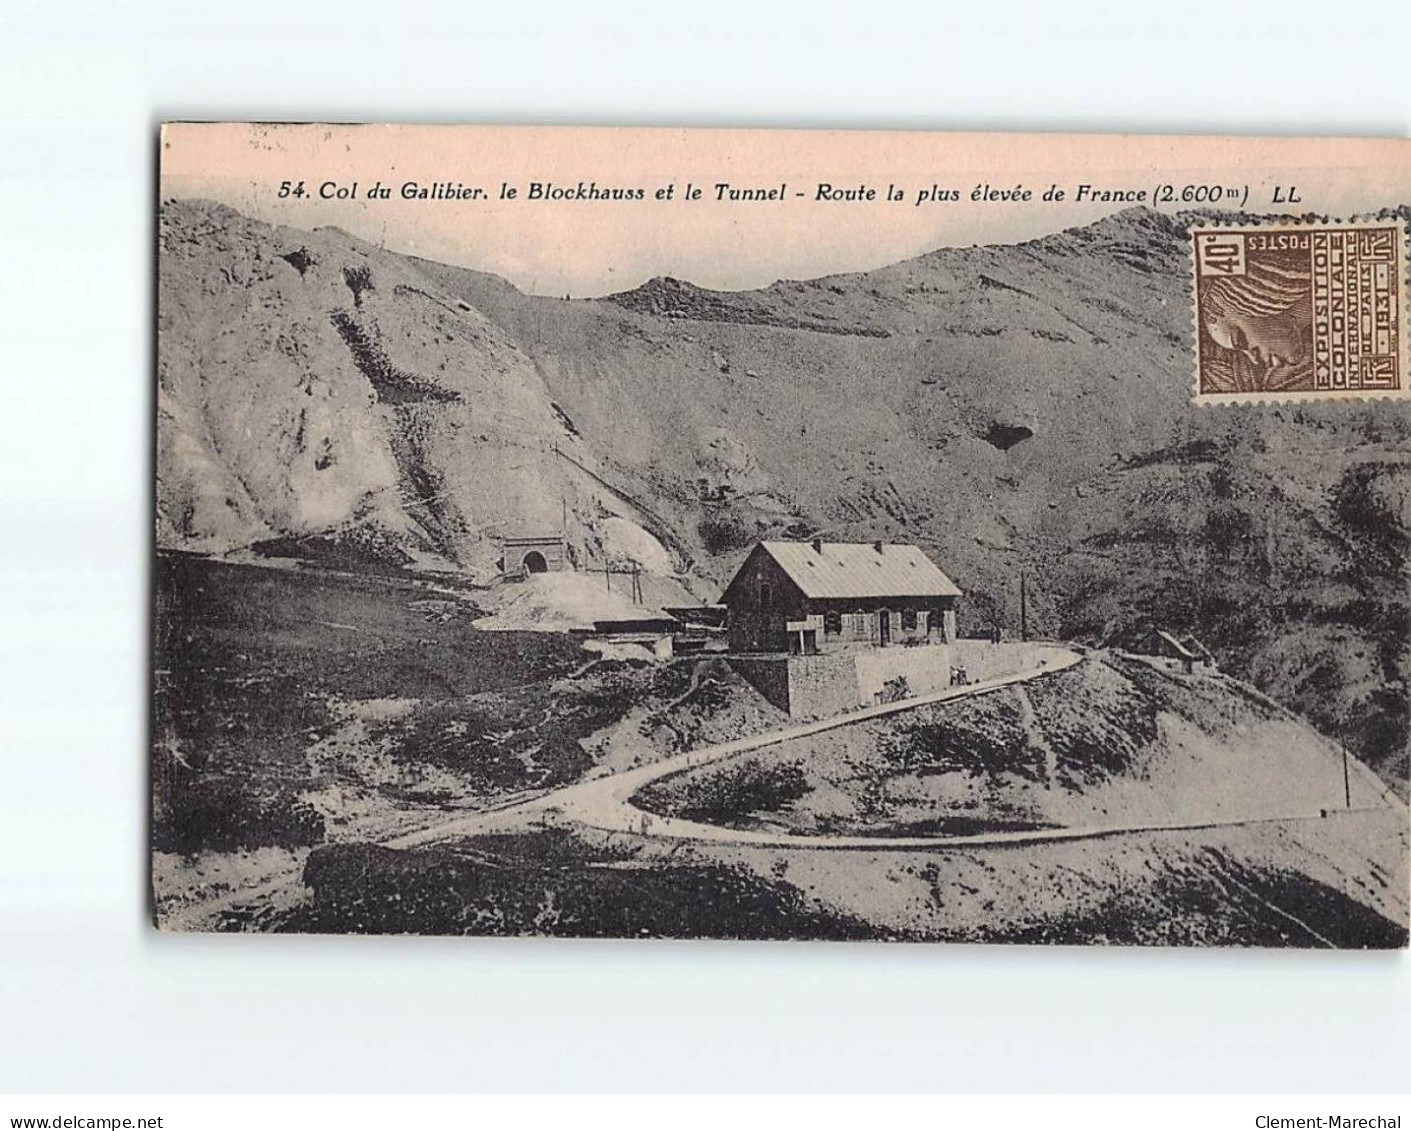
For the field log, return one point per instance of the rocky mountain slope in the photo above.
(1115, 740)
(1013, 409)
(316, 393)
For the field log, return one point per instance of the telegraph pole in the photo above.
(1023, 606)
(1346, 780)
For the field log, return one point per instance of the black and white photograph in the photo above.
(942, 600)
(715, 566)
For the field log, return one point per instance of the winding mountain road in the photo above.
(605, 802)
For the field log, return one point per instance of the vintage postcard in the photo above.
(782, 535)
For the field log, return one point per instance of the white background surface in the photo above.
(91, 999)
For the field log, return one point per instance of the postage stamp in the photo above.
(1298, 311)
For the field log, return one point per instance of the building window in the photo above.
(832, 624)
(859, 624)
(908, 620)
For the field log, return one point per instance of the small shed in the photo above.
(1182, 650)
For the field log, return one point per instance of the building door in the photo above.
(884, 626)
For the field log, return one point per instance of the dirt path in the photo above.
(1228, 882)
(605, 802)
(1030, 722)
(697, 674)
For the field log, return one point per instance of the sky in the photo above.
(586, 247)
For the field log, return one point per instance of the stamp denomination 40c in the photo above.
(1297, 311)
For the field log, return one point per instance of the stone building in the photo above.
(807, 598)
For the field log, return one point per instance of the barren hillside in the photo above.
(1112, 741)
(1013, 408)
(318, 396)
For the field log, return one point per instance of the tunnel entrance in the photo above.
(534, 562)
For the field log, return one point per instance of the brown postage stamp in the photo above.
(1296, 311)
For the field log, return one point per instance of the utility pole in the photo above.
(1023, 606)
(1346, 780)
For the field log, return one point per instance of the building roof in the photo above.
(1187, 647)
(859, 569)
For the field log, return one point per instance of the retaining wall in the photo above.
(769, 675)
(983, 660)
(834, 682)
(925, 668)
(822, 685)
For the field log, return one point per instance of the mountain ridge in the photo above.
(1013, 409)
